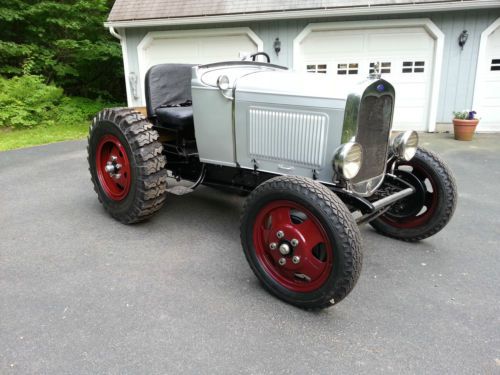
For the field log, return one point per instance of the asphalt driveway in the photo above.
(81, 293)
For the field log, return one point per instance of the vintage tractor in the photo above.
(313, 161)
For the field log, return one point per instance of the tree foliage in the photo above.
(65, 42)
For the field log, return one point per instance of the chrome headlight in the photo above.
(347, 160)
(404, 145)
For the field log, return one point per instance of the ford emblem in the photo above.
(380, 88)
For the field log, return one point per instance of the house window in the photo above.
(413, 66)
(350, 68)
(319, 68)
(385, 67)
(495, 64)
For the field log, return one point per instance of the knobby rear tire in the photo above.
(148, 178)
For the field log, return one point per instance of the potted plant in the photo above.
(464, 125)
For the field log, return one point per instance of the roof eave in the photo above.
(316, 13)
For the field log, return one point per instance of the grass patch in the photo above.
(11, 139)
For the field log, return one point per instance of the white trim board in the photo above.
(481, 64)
(152, 35)
(316, 13)
(426, 23)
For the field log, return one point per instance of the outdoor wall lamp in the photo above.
(462, 39)
(277, 45)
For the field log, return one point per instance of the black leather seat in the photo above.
(167, 86)
(178, 118)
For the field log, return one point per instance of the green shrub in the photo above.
(27, 102)
(75, 110)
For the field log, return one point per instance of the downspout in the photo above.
(113, 32)
(130, 77)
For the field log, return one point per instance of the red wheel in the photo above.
(430, 208)
(292, 245)
(126, 165)
(301, 241)
(411, 212)
(113, 167)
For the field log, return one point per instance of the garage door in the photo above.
(405, 54)
(487, 97)
(196, 47)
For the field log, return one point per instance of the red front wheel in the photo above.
(301, 241)
(430, 208)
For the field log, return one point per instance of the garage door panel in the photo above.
(408, 116)
(226, 46)
(407, 54)
(330, 43)
(490, 90)
(414, 91)
(488, 95)
(419, 42)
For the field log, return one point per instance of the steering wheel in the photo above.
(254, 55)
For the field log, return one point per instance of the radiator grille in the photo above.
(298, 138)
(374, 125)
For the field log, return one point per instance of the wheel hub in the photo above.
(284, 249)
(113, 167)
(418, 208)
(411, 205)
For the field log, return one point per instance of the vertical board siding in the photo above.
(458, 70)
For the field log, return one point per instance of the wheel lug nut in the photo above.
(282, 261)
(296, 259)
(294, 242)
(284, 249)
(114, 158)
(280, 234)
(109, 168)
(118, 167)
(273, 245)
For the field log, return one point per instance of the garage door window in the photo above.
(317, 68)
(350, 68)
(495, 64)
(385, 67)
(413, 66)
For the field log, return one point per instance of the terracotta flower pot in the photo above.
(464, 129)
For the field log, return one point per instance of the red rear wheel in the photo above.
(126, 164)
(113, 167)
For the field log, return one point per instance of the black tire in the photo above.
(148, 178)
(332, 215)
(439, 200)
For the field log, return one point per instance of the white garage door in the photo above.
(487, 100)
(406, 56)
(196, 47)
